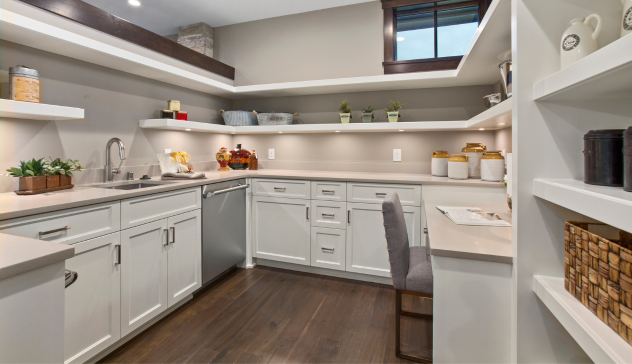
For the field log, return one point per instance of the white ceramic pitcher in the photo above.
(626, 23)
(580, 39)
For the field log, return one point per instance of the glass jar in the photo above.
(239, 158)
(253, 161)
(24, 84)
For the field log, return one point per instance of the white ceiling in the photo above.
(165, 16)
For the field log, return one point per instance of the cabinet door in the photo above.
(328, 248)
(144, 294)
(92, 319)
(281, 229)
(185, 250)
(366, 244)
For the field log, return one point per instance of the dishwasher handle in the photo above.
(70, 277)
(213, 193)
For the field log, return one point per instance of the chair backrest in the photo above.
(396, 239)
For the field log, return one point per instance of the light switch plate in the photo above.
(397, 155)
(270, 154)
(167, 151)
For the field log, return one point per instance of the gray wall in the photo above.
(114, 103)
(503, 140)
(332, 43)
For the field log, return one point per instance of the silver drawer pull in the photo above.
(55, 230)
(380, 193)
(173, 234)
(118, 253)
(328, 215)
(282, 189)
(166, 231)
(329, 191)
(328, 249)
(425, 230)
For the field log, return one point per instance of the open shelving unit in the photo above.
(600, 342)
(35, 28)
(33, 111)
(488, 120)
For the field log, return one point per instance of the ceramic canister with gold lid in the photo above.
(493, 166)
(458, 166)
(439, 165)
(475, 152)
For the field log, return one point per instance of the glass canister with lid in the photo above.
(24, 84)
(458, 166)
(492, 166)
(439, 165)
(475, 153)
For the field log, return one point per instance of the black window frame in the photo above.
(392, 66)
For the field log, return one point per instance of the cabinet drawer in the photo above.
(332, 191)
(280, 188)
(67, 226)
(329, 214)
(144, 209)
(328, 248)
(409, 195)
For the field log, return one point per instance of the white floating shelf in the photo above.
(604, 74)
(610, 205)
(27, 25)
(488, 120)
(598, 340)
(33, 111)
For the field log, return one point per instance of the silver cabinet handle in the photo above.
(307, 213)
(173, 234)
(329, 191)
(167, 240)
(282, 189)
(380, 193)
(425, 230)
(214, 193)
(55, 230)
(118, 254)
(328, 249)
(70, 277)
(328, 215)
(348, 216)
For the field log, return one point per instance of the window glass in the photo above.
(415, 37)
(455, 30)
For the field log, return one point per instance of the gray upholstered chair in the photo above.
(410, 266)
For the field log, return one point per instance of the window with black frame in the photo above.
(429, 36)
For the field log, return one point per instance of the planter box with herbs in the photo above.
(40, 176)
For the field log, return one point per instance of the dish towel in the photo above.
(186, 175)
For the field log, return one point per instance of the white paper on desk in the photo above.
(465, 216)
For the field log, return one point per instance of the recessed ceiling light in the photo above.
(401, 130)
(481, 129)
(501, 124)
(280, 132)
(134, 2)
(187, 129)
(399, 39)
(337, 131)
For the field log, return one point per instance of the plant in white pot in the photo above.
(392, 111)
(367, 114)
(345, 112)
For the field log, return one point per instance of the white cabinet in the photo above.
(281, 229)
(366, 244)
(331, 191)
(281, 188)
(92, 303)
(328, 248)
(184, 259)
(329, 214)
(144, 283)
(409, 195)
(141, 210)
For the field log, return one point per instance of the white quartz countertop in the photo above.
(12, 205)
(19, 255)
(485, 243)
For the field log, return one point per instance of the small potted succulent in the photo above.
(392, 111)
(63, 170)
(367, 114)
(31, 175)
(345, 112)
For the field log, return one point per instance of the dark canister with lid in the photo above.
(603, 157)
(627, 159)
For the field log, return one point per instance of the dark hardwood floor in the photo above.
(267, 315)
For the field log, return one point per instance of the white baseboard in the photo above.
(325, 272)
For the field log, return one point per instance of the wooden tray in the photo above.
(37, 192)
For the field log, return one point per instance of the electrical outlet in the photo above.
(167, 151)
(270, 154)
(397, 155)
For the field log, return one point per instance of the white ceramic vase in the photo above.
(626, 23)
(580, 39)
(474, 164)
(439, 167)
(457, 170)
(492, 170)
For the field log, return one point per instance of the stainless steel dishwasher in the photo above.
(223, 227)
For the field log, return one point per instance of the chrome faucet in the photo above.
(109, 171)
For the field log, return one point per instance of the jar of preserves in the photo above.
(223, 157)
(253, 161)
(239, 158)
(24, 84)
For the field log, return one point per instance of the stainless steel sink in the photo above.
(131, 186)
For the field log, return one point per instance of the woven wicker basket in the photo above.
(598, 272)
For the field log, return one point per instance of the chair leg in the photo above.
(398, 319)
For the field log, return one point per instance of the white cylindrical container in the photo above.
(439, 166)
(475, 152)
(458, 166)
(580, 39)
(492, 166)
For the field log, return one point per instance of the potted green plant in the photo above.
(367, 114)
(52, 172)
(30, 174)
(392, 111)
(64, 169)
(345, 112)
